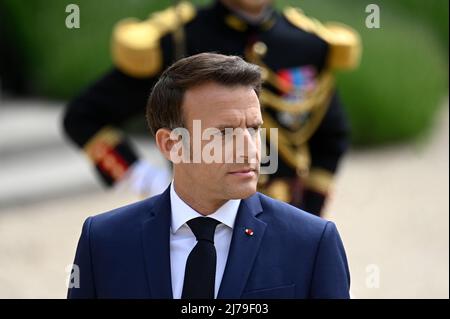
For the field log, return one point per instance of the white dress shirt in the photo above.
(182, 239)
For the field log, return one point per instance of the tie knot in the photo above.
(203, 228)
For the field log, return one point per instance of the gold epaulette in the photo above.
(344, 42)
(135, 44)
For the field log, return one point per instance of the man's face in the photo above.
(219, 107)
(250, 6)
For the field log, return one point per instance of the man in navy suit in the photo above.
(210, 234)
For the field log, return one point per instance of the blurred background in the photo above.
(391, 199)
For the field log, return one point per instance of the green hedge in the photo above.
(61, 61)
(403, 75)
(432, 12)
(391, 97)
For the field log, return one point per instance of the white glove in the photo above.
(144, 179)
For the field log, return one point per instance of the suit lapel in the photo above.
(243, 248)
(156, 248)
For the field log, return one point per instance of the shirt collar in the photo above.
(182, 212)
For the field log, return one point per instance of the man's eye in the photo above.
(254, 130)
(221, 133)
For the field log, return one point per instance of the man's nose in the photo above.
(249, 150)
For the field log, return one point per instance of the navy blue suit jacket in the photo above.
(292, 254)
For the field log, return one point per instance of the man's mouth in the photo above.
(244, 172)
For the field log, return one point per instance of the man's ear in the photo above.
(164, 142)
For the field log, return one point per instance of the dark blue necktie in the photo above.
(200, 273)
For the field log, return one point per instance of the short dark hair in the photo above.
(164, 104)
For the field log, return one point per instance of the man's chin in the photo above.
(242, 191)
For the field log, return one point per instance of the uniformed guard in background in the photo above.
(298, 56)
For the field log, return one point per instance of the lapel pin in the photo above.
(249, 232)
